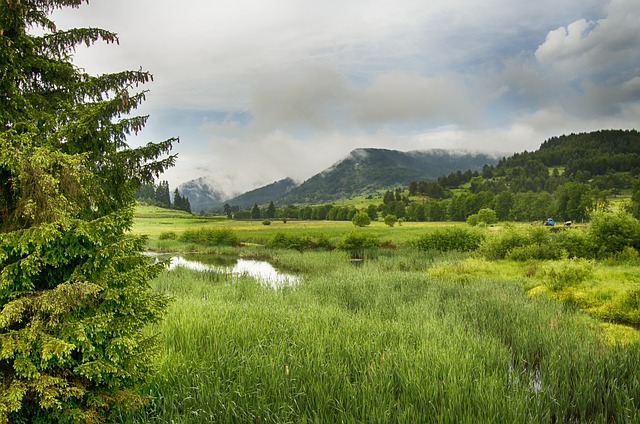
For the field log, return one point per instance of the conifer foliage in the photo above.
(74, 292)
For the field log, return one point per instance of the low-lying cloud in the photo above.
(267, 90)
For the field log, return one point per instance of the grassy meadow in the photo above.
(406, 335)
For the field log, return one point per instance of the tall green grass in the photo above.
(387, 341)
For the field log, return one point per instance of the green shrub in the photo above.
(210, 237)
(484, 217)
(498, 245)
(300, 242)
(624, 310)
(488, 216)
(473, 220)
(361, 219)
(534, 251)
(291, 241)
(612, 232)
(167, 235)
(323, 242)
(450, 239)
(359, 245)
(575, 243)
(628, 255)
(390, 220)
(567, 273)
(266, 222)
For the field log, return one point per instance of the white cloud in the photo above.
(317, 97)
(287, 87)
(586, 48)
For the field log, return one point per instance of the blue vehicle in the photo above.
(549, 222)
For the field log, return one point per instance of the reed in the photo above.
(400, 338)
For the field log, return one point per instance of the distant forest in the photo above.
(568, 178)
(160, 195)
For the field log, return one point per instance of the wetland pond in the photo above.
(261, 271)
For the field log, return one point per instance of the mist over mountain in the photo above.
(364, 171)
(202, 194)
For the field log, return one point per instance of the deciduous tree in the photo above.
(361, 219)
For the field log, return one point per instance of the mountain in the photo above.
(364, 171)
(202, 194)
(263, 195)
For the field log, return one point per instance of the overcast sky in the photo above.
(261, 90)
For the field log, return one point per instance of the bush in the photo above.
(390, 220)
(484, 217)
(210, 237)
(500, 245)
(534, 251)
(612, 232)
(567, 273)
(359, 245)
(628, 255)
(323, 242)
(538, 246)
(266, 222)
(300, 242)
(488, 216)
(473, 220)
(624, 310)
(449, 239)
(290, 241)
(361, 219)
(167, 235)
(575, 243)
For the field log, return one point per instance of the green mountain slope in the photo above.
(263, 195)
(366, 170)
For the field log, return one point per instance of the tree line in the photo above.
(569, 178)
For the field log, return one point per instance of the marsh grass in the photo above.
(408, 335)
(393, 340)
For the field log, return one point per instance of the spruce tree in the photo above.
(177, 200)
(271, 211)
(74, 292)
(163, 196)
(255, 211)
(186, 204)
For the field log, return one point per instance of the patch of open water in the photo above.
(262, 271)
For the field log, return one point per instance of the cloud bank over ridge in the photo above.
(258, 91)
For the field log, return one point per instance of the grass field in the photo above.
(153, 221)
(407, 336)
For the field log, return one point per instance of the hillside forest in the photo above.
(567, 178)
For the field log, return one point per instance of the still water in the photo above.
(262, 271)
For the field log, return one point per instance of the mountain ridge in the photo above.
(363, 171)
(366, 170)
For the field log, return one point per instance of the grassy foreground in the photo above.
(407, 337)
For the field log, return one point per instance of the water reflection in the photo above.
(262, 271)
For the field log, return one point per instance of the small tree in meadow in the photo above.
(361, 219)
(390, 220)
(488, 216)
(484, 216)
